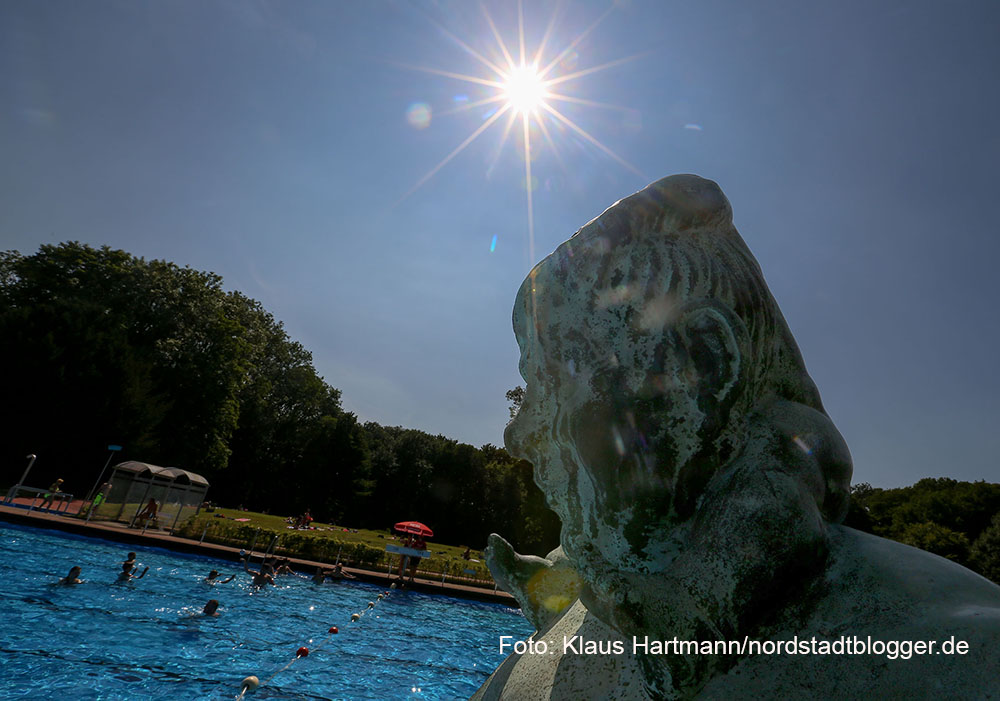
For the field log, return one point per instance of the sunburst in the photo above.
(526, 90)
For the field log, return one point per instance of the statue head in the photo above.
(648, 342)
(675, 431)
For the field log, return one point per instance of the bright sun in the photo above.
(525, 90)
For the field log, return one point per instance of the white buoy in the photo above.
(250, 683)
(355, 617)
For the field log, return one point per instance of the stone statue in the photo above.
(700, 484)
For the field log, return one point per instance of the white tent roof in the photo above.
(174, 474)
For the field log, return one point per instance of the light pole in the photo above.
(114, 449)
(13, 490)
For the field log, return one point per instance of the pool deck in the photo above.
(122, 533)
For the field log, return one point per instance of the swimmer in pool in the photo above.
(260, 578)
(210, 608)
(284, 567)
(128, 572)
(73, 577)
(213, 578)
(337, 573)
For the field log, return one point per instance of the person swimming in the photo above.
(213, 578)
(261, 578)
(338, 573)
(73, 577)
(211, 607)
(284, 566)
(128, 572)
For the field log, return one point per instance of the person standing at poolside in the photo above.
(56, 488)
(102, 495)
(403, 558)
(418, 544)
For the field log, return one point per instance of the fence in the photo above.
(57, 502)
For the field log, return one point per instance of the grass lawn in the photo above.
(323, 539)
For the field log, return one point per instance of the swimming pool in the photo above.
(141, 640)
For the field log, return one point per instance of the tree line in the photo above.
(956, 520)
(101, 347)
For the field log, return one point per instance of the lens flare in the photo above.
(803, 446)
(419, 115)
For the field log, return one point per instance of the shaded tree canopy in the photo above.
(109, 348)
(956, 520)
(101, 347)
(985, 553)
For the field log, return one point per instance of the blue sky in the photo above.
(275, 144)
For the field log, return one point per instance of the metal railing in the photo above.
(38, 497)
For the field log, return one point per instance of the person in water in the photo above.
(128, 572)
(284, 566)
(262, 577)
(213, 578)
(211, 608)
(73, 577)
(338, 573)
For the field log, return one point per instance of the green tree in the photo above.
(985, 553)
(110, 348)
(937, 539)
(333, 469)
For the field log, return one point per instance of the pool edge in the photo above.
(122, 534)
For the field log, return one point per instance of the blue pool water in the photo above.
(102, 640)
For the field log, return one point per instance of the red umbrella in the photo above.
(414, 528)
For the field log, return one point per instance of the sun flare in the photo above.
(525, 90)
(523, 93)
